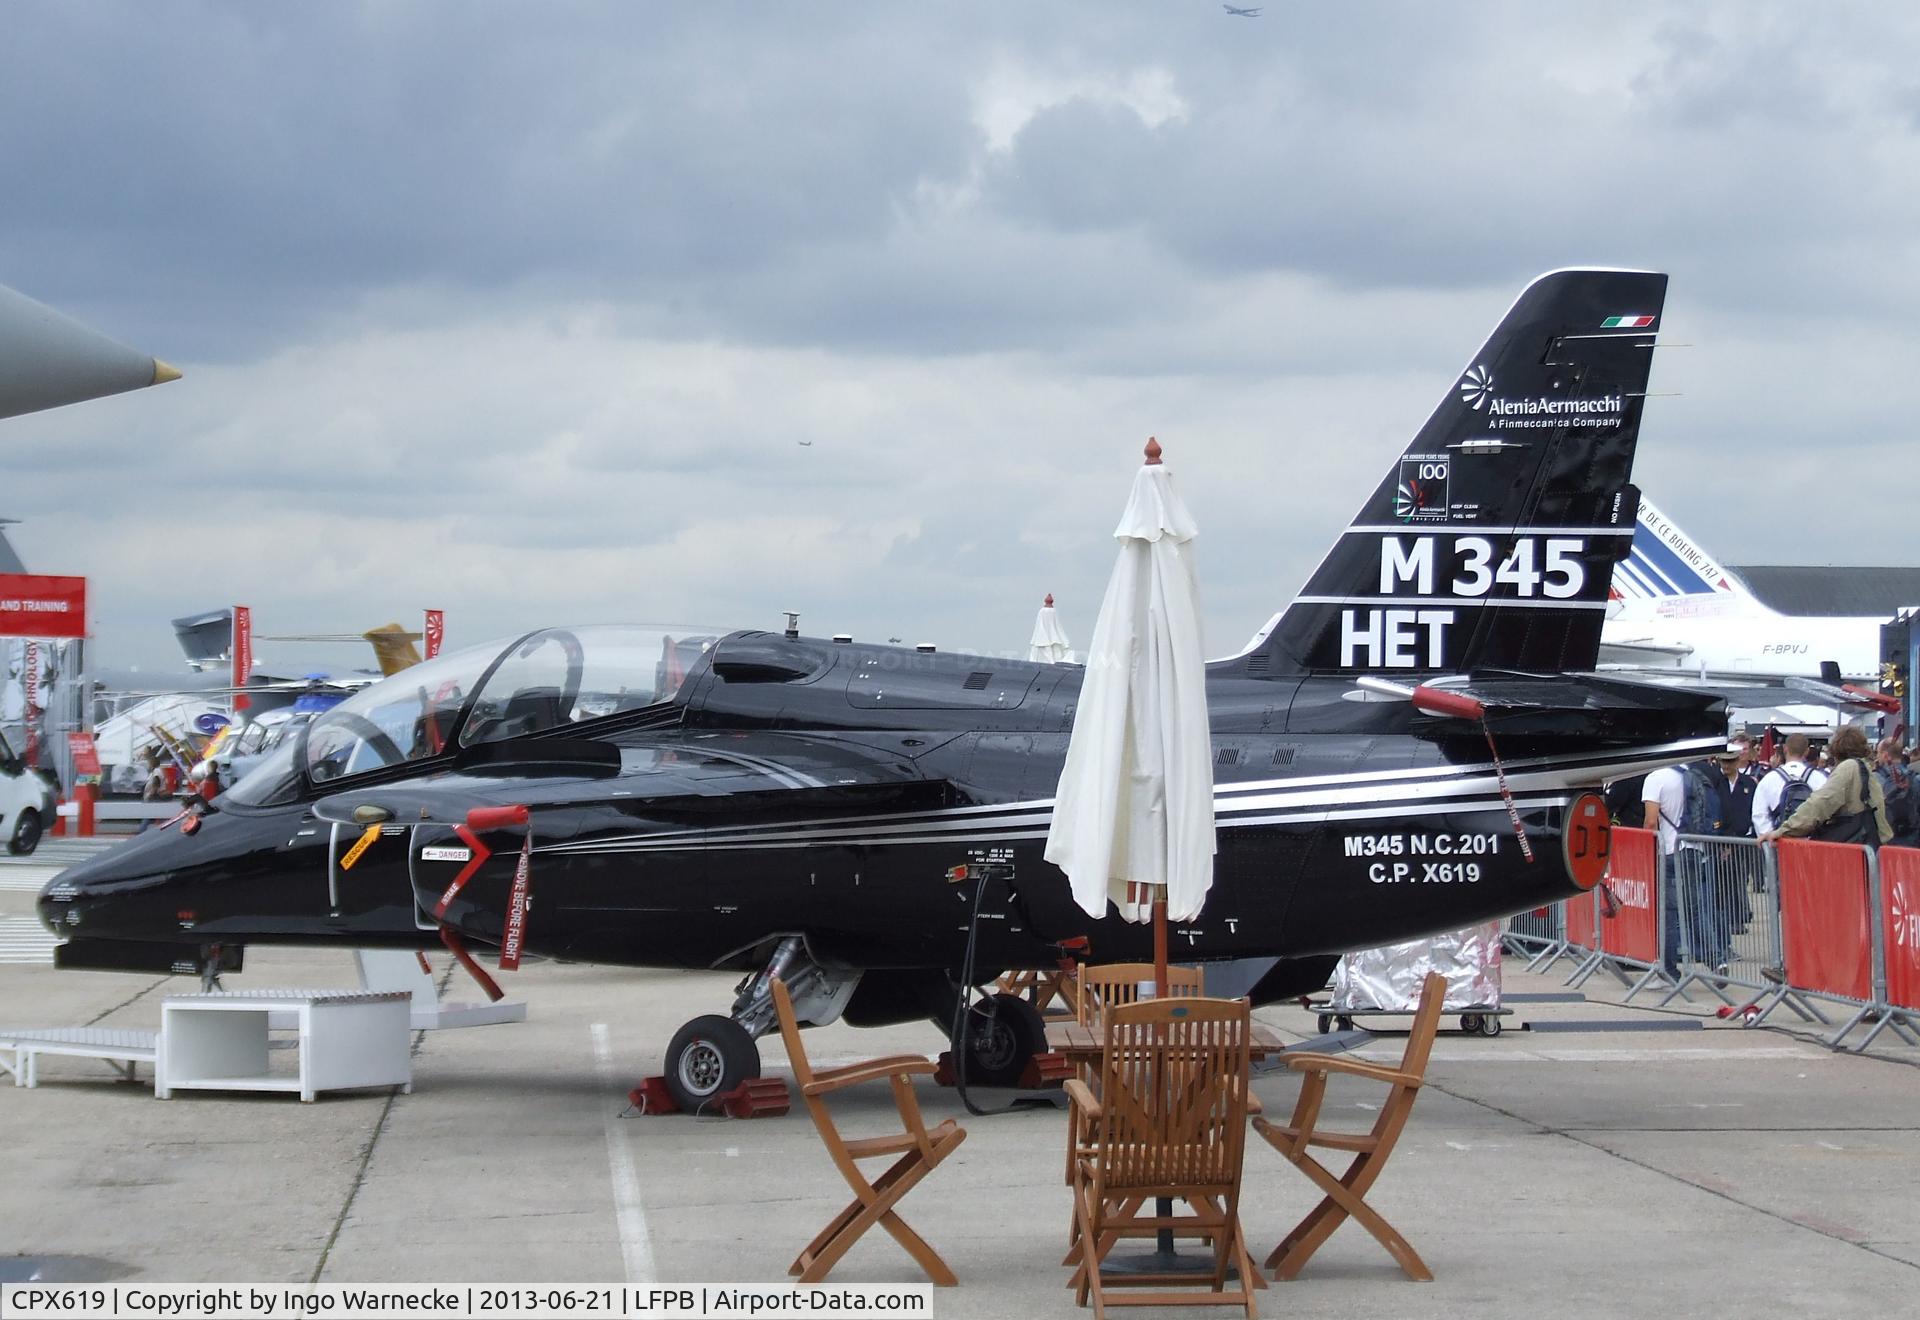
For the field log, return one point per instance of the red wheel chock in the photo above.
(1044, 1070)
(652, 1097)
(757, 1097)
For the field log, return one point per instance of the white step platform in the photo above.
(119, 1049)
(347, 1039)
(400, 969)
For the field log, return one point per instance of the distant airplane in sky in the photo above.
(1243, 13)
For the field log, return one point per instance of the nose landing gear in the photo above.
(712, 1055)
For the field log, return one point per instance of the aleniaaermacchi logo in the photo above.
(1504, 414)
(1476, 387)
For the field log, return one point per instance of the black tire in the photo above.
(1326, 1023)
(1344, 1022)
(26, 833)
(1490, 1025)
(1469, 1022)
(1004, 1032)
(707, 1058)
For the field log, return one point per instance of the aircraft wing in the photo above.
(1638, 654)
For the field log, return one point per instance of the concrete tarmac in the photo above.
(1668, 1164)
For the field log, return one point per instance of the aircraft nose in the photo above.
(73, 901)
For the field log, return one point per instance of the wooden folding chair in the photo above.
(1110, 986)
(1346, 1194)
(1043, 987)
(920, 1150)
(1169, 1123)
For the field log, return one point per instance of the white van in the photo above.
(26, 802)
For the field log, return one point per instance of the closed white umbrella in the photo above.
(1048, 645)
(1135, 804)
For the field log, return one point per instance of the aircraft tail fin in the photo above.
(1492, 539)
(1666, 562)
(393, 646)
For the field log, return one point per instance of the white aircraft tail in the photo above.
(1666, 564)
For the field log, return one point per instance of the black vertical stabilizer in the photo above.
(1492, 539)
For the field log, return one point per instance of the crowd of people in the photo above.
(1834, 794)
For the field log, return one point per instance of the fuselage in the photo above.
(797, 786)
(1702, 634)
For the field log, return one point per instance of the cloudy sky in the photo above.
(699, 312)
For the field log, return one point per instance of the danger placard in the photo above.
(34, 605)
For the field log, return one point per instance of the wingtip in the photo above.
(164, 372)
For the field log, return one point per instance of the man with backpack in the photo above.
(1896, 784)
(1786, 788)
(1850, 807)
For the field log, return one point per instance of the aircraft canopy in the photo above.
(542, 681)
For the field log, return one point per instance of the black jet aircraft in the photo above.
(1412, 745)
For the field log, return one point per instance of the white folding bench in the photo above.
(117, 1047)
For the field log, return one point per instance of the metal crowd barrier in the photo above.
(1727, 904)
(1799, 924)
(1540, 936)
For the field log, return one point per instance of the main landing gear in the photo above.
(1002, 1035)
(714, 1054)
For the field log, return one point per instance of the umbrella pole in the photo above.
(1160, 945)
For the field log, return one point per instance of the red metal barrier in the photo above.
(1900, 911)
(1825, 918)
(1633, 876)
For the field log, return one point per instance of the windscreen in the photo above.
(269, 781)
(403, 718)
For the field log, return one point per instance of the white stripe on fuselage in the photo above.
(1413, 791)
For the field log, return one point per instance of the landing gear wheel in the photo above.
(708, 1057)
(1003, 1034)
(1490, 1025)
(26, 833)
(1326, 1023)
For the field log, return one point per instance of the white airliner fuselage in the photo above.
(1674, 608)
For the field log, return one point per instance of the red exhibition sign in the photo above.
(1633, 874)
(34, 605)
(436, 632)
(86, 757)
(1900, 910)
(1824, 917)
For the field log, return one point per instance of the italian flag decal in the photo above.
(1626, 322)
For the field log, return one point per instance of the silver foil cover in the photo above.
(1388, 979)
